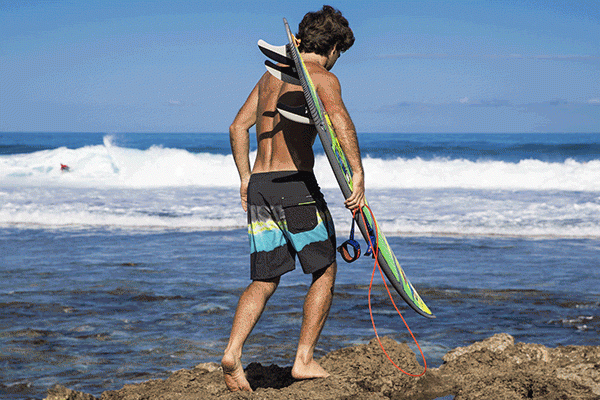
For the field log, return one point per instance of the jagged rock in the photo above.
(495, 368)
(58, 392)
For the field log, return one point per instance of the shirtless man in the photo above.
(287, 215)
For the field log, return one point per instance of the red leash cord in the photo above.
(377, 266)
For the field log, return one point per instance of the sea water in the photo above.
(129, 265)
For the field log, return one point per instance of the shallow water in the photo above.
(95, 309)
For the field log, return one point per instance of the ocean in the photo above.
(128, 266)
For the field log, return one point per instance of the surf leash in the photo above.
(374, 251)
(345, 247)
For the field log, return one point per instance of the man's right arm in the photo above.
(239, 137)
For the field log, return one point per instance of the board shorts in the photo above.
(288, 217)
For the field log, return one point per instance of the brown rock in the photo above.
(58, 392)
(495, 368)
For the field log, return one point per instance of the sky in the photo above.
(423, 66)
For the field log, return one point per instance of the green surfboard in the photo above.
(387, 260)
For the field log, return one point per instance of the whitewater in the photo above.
(173, 187)
(111, 166)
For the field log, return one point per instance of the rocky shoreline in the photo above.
(495, 368)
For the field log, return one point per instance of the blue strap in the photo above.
(350, 243)
(370, 251)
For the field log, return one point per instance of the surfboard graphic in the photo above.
(290, 55)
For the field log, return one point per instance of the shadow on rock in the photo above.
(273, 376)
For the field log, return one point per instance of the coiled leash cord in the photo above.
(373, 250)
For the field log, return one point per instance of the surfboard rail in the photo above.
(339, 164)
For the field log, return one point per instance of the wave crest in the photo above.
(109, 165)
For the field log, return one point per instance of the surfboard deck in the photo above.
(318, 115)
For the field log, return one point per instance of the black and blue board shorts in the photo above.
(288, 217)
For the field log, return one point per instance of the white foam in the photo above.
(108, 166)
(196, 209)
(443, 173)
(163, 188)
(454, 212)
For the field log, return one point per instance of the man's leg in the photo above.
(316, 309)
(249, 309)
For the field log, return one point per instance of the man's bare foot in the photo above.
(311, 370)
(234, 375)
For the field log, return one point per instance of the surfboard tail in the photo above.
(295, 71)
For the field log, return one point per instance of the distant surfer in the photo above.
(64, 168)
(287, 214)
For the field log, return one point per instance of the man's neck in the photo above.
(313, 57)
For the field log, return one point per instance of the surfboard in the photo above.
(315, 113)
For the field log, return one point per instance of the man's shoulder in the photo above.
(321, 76)
(268, 82)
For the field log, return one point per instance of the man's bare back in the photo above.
(283, 145)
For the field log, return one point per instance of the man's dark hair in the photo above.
(321, 30)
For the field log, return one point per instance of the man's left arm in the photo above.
(330, 92)
(239, 137)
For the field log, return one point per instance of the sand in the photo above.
(496, 368)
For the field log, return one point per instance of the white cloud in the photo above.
(491, 103)
(392, 108)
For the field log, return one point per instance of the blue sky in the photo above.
(187, 66)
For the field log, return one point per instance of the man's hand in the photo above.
(357, 198)
(244, 193)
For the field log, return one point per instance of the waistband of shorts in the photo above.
(284, 176)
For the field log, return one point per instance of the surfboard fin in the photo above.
(285, 73)
(300, 114)
(278, 54)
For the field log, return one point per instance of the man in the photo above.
(287, 215)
